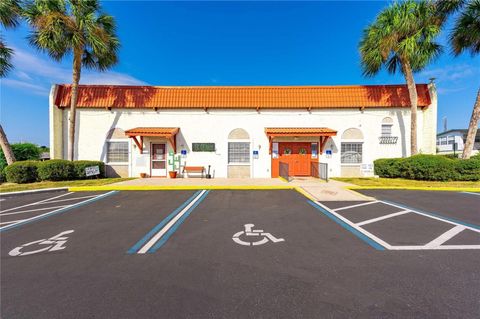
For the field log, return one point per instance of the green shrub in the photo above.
(22, 152)
(430, 168)
(22, 172)
(56, 170)
(79, 168)
(3, 178)
(469, 170)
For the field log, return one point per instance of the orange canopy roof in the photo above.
(300, 131)
(152, 131)
(241, 97)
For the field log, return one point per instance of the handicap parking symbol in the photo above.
(250, 232)
(54, 243)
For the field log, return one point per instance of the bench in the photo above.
(193, 169)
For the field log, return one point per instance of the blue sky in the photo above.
(227, 43)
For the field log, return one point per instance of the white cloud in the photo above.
(36, 73)
(450, 73)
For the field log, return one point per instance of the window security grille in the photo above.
(238, 152)
(351, 153)
(117, 152)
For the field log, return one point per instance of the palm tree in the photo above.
(402, 38)
(77, 28)
(465, 36)
(9, 14)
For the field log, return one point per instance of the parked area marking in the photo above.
(159, 235)
(53, 243)
(356, 228)
(249, 232)
(52, 209)
(478, 194)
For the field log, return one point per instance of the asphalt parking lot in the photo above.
(239, 254)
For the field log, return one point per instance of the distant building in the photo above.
(452, 141)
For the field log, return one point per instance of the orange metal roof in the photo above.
(152, 131)
(300, 131)
(242, 97)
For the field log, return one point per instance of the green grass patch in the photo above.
(400, 182)
(12, 187)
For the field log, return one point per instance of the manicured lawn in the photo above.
(12, 187)
(399, 182)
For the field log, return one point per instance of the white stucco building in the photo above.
(242, 131)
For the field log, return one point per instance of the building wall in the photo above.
(94, 125)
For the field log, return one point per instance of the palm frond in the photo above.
(465, 35)
(5, 58)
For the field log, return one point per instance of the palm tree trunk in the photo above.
(472, 129)
(412, 92)
(7, 150)
(77, 66)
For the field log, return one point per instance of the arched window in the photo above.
(238, 147)
(352, 146)
(387, 124)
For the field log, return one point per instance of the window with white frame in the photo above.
(239, 152)
(351, 152)
(117, 152)
(451, 139)
(386, 129)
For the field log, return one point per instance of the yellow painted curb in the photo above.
(418, 188)
(305, 193)
(175, 188)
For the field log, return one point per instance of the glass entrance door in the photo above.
(158, 160)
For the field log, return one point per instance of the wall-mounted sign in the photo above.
(183, 152)
(328, 153)
(255, 154)
(274, 150)
(367, 168)
(203, 147)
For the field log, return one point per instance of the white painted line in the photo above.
(172, 222)
(363, 231)
(55, 211)
(35, 203)
(12, 221)
(353, 206)
(373, 220)
(434, 217)
(443, 247)
(68, 199)
(478, 194)
(445, 236)
(33, 210)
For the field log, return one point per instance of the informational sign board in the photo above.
(367, 168)
(92, 171)
(255, 154)
(183, 152)
(274, 150)
(203, 147)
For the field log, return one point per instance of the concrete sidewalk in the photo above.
(320, 190)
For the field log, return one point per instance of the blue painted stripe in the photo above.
(56, 212)
(157, 228)
(351, 229)
(434, 215)
(170, 232)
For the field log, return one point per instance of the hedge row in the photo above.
(429, 168)
(52, 170)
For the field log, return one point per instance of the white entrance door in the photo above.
(158, 160)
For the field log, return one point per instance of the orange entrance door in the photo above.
(297, 155)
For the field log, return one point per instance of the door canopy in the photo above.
(323, 133)
(168, 133)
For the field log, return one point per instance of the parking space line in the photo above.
(33, 210)
(373, 220)
(169, 223)
(478, 194)
(57, 211)
(361, 233)
(448, 220)
(445, 237)
(35, 203)
(353, 206)
(68, 199)
(155, 229)
(12, 221)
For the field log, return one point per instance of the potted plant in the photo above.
(174, 163)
